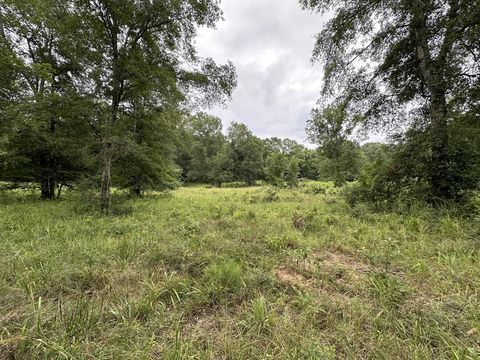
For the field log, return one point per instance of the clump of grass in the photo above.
(282, 241)
(302, 220)
(388, 290)
(261, 317)
(224, 277)
(267, 195)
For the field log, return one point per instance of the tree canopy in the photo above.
(404, 63)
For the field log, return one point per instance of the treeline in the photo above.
(209, 156)
(95, 91)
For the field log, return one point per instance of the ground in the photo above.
(236, 273)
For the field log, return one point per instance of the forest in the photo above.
(137, 224)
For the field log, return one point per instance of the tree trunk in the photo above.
(432, 74)
(440, 172)
(48, 178)
(107, 151)
(106, 177)
(47, 187)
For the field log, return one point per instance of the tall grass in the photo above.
(244, 273)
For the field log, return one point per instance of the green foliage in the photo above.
(400, 176)
(417, 79)
(282, 170)
(292, 172)
(145, 158)
(344, 164)
(247, 153)
(88, 85)
(310, 165)
(209, 155)
(340, 158)
(43, 133)
(275, 169)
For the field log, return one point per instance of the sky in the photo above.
(270, 43)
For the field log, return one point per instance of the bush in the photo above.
(401, 177)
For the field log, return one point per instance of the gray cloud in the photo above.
(270, 43)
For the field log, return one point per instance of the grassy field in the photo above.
(250, 273)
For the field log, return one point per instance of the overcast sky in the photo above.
(270, 42)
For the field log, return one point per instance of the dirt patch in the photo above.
(335, 262)
(292, 277)
(207, 327)
(199, 324)
(338, 274)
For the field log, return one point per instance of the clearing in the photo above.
(236, 273)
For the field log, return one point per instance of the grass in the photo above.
(236, 273)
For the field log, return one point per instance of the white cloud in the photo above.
(270, 42)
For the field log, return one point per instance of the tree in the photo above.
(292, 172)
(247, 153)
(342, 164)
(390, 56)
(374, 151)
(275, 168)
(284, 146)
(43, 134)
(146, 157)
(209, 151)
(282, 164)
(222, 166)
(330, 128)
(144, 47)
(309, 165)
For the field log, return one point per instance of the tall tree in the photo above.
(404, 54)
(38, 70)
(210, 161)
(247, 153)
(309, 166)
(282, 169)
(330, 129)
(147, 46)
(283, 158)
(283, 146)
